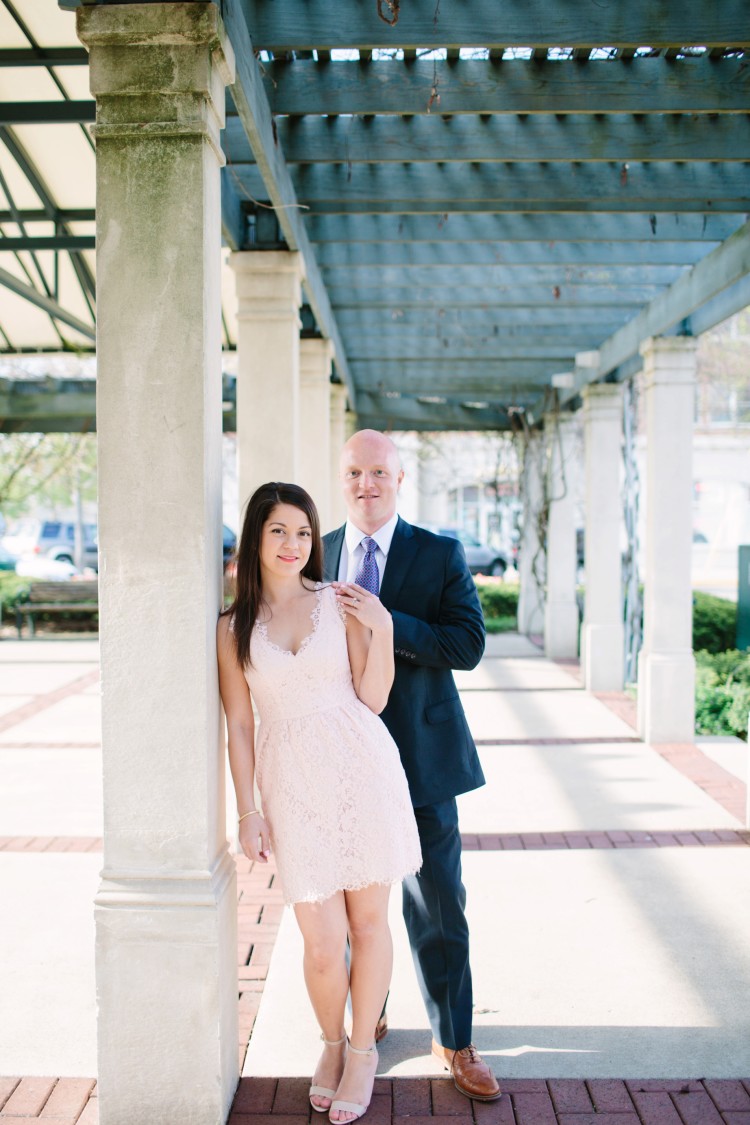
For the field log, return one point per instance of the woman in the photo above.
(318, 661)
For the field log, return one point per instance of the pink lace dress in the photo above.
(333, 788)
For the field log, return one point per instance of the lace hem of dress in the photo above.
(360, 885)
(314, 617)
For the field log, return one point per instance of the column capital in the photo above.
(315, 357)
(602, 400)
(560, 420)
(669, 359)
(157, 70)
(269, 283)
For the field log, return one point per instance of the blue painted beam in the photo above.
(369, 256)
(233, 223)
(481, 297)
(391, 139)
(730, 301)
(453, 279)
(300, 25)
(561, 339)
(719, 271)
(523, 227)
(659, 184)
(443, 320)
(643, 85)
(47, 304)
(485, 378)
(59, 112)
(562, 206)
(272, 177)
(57, 242)
(475, 373)
(410, 413)
(43, 56)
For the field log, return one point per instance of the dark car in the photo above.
(481, 558)
(229, 542)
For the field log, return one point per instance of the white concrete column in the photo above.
(315, 432)
(666, 667)
(561, 608)
(166, 908)
(338, 437)
(531, 562)
(269, 296)
(602, 635)
(432, 493)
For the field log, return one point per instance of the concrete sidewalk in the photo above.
(607, 895)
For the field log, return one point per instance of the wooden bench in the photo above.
(56, 597)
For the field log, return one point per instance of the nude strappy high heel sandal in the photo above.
(352, 1107)
(323, 1091)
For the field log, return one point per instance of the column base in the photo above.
(602, 657)
(666, 697)
(166, 972)
(561, 625)
(530, 613)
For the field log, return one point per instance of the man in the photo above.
(423, 580)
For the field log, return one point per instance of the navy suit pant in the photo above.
(434, 902)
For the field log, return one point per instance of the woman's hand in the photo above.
(254, 838)
(366, 607)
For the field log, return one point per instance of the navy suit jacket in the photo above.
(437, 626)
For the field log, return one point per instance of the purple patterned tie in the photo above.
(367, 574)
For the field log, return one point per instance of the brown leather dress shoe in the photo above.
(471, 1075)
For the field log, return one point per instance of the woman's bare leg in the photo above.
(370, 976)
(324, 929)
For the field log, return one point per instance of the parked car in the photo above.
(229, 542)
(481, 558)
(7, 560)
(53, 539)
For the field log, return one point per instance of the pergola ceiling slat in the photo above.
(252, 106)
(652, 85)
(349, 256)
(478, 194)
(326, 140)
(658, 184)
(298, 24)
(725, 266)
(603, 227)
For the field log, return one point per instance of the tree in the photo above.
(48, 470)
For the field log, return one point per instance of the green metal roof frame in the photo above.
(480, 191)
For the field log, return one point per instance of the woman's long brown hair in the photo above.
(243, 612)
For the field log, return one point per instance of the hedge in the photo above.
(498, 601)
(714, 623)
(11, 585)
(722, 692)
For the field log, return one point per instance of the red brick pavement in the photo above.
(475, 841)
(49, 699)
(270, 1101)
(415, 1101)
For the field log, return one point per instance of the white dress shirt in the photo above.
(352, 551)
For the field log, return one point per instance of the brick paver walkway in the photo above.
(284, 1101)
(414, 1101)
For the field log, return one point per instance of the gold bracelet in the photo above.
(252, 812)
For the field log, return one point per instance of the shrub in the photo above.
(722, 692)
(497, 599)
(714, 623)
(11, 586)
(501, 624)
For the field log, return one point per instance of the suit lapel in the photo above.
(400, 558)
(332, 554)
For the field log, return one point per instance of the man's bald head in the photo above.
(371, 476)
